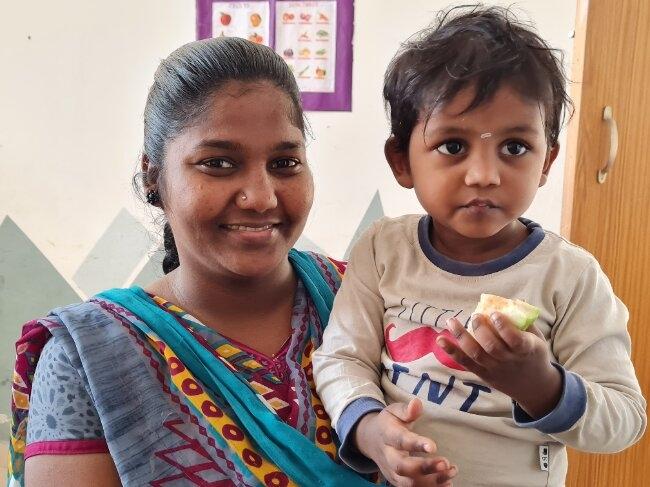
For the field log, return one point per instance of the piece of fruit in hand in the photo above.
(519, 312)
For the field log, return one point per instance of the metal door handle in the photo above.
(608, 116)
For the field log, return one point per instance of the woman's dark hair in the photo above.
(473, 46)
(182, 88)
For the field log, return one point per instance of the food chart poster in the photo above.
(313, 37)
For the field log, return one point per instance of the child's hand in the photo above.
(386, 439)
(515, 362)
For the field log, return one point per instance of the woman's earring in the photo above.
(153, 197)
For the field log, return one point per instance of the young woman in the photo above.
(204, 377)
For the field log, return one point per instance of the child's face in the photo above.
(237, 188)
(476, 172)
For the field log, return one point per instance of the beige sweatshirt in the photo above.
(379, 347)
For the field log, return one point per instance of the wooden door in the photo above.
(610, 219)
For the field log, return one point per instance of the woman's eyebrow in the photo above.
(236, 146)
(219, 144)
(289, 145)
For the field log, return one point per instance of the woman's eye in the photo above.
(514, 149)
(451, 148)
(217, 164)
(285, 164)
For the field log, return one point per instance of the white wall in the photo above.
(73, 81)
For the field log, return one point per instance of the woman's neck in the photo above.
(477, 250)
(225, 302)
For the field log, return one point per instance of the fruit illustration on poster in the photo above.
(225, 18)
(288, 17)
(305, 17)
(255, 37)
(304, 52)
(288, 52)
(322, 17)
(320, 73)
(321, 52)
(322, 34)
(256, 20)
(304, 37)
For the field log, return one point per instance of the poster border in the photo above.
(341, 98)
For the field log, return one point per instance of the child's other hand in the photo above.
(515, 362)
(386, 439)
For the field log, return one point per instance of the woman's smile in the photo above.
(252, 233)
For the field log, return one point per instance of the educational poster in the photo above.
(305, 35)
(250, 20)
(313, 37)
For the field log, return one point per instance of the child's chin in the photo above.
(479, 230)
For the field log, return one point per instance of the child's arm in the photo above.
(347, 370)
(597, 405)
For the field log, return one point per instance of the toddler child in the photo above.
(476, 106)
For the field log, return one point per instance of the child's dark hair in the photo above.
(183, 85)
(473, 46)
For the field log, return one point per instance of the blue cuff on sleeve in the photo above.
(569, 409)
(348, 420)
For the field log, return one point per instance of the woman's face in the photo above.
(236, 188)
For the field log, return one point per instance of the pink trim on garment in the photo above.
(66, 447)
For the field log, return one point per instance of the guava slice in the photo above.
(519, 312)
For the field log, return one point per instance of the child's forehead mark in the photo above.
(486, 135)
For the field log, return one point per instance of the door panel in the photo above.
(610, 220)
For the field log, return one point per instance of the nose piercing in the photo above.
(243, 196)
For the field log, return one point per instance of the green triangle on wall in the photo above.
(30, 286)
(374, 212)
(114, 256)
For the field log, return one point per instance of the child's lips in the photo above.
(480, 203)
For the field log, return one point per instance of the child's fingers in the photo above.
(436, 479)
(536, 331)
(406, 466)
(468, 352)
(401, 439)
(515, 339)
(406, 412)
(444, 478)
(488, 337)
(508, 332)
(417, 471)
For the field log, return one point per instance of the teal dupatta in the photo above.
(287, 448)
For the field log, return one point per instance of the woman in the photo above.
(204, 377)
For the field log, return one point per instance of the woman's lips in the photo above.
(249, 228)
(252, 233)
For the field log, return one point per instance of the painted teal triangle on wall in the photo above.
(305, 243)
(152, 270)
(115, 255)
(30, 286)
(374, 212)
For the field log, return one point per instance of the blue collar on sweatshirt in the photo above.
(535, 237)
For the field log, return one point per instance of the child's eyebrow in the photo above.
(455, 130)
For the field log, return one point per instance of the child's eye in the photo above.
(451, 148)
(514, 149)
(217, 163)
(285, 164)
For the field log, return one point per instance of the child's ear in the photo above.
(550, 158)
(398, 160)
